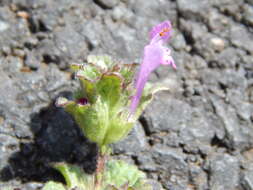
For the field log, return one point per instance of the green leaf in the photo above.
(110, 187)
(104, 62)
(88, 72)
(79, 94)
(76, 110)
(95, 121)
(89, 89)
(8, 188)
(118, 129)
(127, 72)
(51, 185)
(75, 177)
(76, 67)
(119, 173)
(109, 88)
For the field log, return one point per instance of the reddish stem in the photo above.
(100, 169)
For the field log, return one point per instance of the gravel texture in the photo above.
(196, 136)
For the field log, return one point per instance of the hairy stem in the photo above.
(100, 170)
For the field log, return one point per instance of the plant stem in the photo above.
(100, 170)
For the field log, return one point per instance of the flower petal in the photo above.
(152, 58)
(161, 31)
(155, 54)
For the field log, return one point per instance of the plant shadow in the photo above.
(57, 138)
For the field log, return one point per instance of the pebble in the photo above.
(218, 44)
(3, 26)
(107, 3)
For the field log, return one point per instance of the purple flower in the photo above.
(155, 54)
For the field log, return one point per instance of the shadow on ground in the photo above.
(56, 139)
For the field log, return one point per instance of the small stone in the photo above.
(171, 163)
(167, 115)
(198, 130)
(248, 14)
(205, 48)
(228, 58)
(6, 50)
(217, 22)
(248, 155)
(241, 38)
(237, 136)
(247, 179)
(3, 26)
(224, 172)
(172, 158)
(193, 9)
(31, 42)
(107, 4)
(155, 185)
(14, 64)
(19, 52)
(23, 14)
(231, 7)
(199, 62)
(250, 2)
(1, 120)
(178, 42)
(198, 177)
(251, 95)
(146, 162)
(56, 79)
(118, 13)
(32, 186)
(218, 44)
(32, 61)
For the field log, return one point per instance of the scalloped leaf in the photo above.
(92, 119)
(104, 61)
(51, 185)
(119, 173)
(118, 129)
(76, 110)
(109, 88)
(75, 177)
(95, 122)
(88, 89)
(88, 72)
(127, 72)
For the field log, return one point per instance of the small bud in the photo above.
(82, 101)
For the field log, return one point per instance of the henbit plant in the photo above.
(106, 107)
